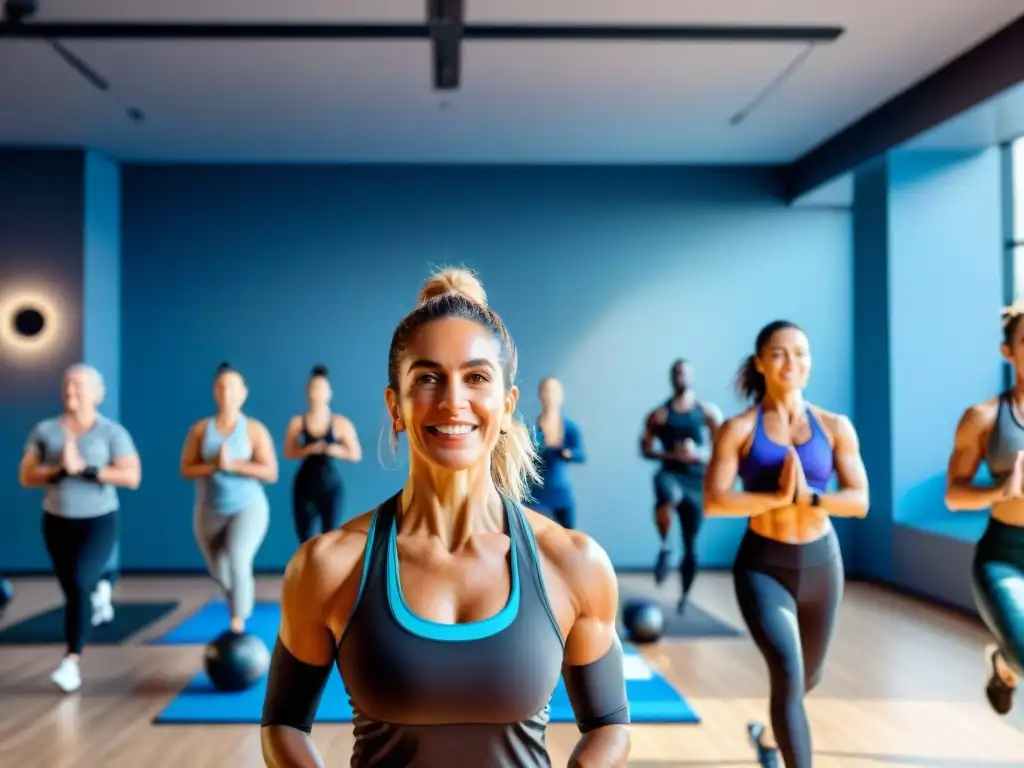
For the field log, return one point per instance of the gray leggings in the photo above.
(229, 544)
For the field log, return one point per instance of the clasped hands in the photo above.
(793, 488)
(1013, 486)
(71, 460)
(687, 451)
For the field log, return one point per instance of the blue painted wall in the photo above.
(946, 268)
(603, 275)
(41, 227)
(101, 256)
(929, 254)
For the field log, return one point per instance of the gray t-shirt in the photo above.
(73, 497)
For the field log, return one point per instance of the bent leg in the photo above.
(668, 493)
(244, 535)
(330, 508)
(210, 529)
(770, 612)
(691, 516)
(818, 599)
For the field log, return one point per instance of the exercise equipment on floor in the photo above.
(652, 699)
(6, 593)
(643, 620)
(235, 661)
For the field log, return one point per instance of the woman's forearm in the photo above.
(845, 503)
(38, 476)
(968, 497)
(342, 452)
(285, 747)
(739, 504)
(124, 477)
(265, 473)
(606, 747)
(197, 471)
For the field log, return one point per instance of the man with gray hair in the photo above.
(79, 458)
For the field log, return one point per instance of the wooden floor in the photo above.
(903, 687)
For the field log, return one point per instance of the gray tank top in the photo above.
(1004, 441)
(429, 695)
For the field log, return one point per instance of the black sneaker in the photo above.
(767, 757)
(661, 566)
(1000, 695)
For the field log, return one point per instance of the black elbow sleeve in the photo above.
(294, 689)
(597, 691)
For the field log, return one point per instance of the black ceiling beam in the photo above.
(447, 22)
(508, 32)
(986, 70)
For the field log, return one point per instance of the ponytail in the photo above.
(750, 382)
(514, 462)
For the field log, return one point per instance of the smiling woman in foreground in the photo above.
(450, 609)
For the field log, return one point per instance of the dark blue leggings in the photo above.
(997, 581)
(79, 549)
(789, 595)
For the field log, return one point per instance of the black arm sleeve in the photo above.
(597, 691)
(294, 689)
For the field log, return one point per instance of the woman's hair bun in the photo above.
(454, 280)
(224, 366)
(319, 370)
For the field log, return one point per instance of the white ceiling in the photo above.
(518, 102)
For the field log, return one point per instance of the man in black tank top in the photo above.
(680, 434)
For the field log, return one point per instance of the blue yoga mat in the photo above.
(651, 698)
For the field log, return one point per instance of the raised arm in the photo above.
(962, 493)
(712, 424)
(852, 499)
(293, 450)
(720, 498)
(125, 468)
(649, 439)
(572, 442)
(263, 465)
(33, 473)
(347, 448)
(593, 664)
(305, 650)
(192, 465)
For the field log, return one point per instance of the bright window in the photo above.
(1018, 191)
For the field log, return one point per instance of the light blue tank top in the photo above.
(223, 492)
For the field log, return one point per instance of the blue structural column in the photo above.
(928, 290)
(872, 402)
(59, 249)
(101, 287)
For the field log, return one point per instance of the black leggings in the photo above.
(789, 595)
(691, 515)
(313, 500)
(997, 581)
(79, 549)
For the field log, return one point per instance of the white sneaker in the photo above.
(102, 607)
(67, 676)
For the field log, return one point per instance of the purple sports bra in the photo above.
(759, 469)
